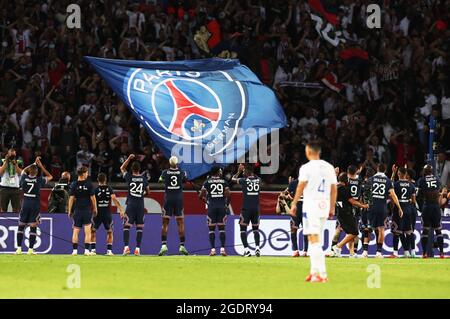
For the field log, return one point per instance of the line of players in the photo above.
(90, 208)
(363, 206)
(367, 200)
(362, 203)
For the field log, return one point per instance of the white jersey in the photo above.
(319, 175)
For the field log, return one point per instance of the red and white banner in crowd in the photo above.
(192, 204)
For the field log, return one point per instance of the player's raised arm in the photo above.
(26, 169)
(123, 168)
(47, 174)
(235, 177)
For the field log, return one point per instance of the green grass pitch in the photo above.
(45, 276)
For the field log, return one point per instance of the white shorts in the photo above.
(313, 225)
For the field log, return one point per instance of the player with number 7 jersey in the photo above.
(31, 184)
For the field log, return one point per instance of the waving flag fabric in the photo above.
(199, 110)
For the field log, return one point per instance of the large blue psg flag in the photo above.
(205, 112)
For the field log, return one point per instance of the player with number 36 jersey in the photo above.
(250, 184)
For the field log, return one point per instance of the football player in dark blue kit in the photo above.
(135, 211)
(429, 190)
(216, 193)
(31, 184)
(251, 185)
(381, 187)
(82, 206)
(366, 193)
(173, 179)
(296, 221)
(401, 225)
(104, 194)
(410, 176)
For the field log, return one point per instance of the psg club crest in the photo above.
(188, 108)
(214, 108)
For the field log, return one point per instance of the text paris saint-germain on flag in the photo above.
(207, 112)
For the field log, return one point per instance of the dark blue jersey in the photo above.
(137, 185)
(250, 189)
(355, 187)
(215, 188)
(380, 186)
(404, 191)
(103, 194)
(82, 190)
(429, 187)
(173, 182)
(31, 186)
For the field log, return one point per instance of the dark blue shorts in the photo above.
(297, 220)
(103, 217)
(173, 207)
(401, 225)
(82, 218)
(29, 213)
(377, 216)
(249, 215)
(216, 216)
(134, 213)
(431, 216)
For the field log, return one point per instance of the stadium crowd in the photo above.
(374, 107)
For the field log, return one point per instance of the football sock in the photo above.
(87, 246)
(139, 236)
(379, 247)
(109, 246)
(20, 235)
(440, 241)
(256, 235)
(424, 241)
(222, 235)
(93, 246)
(212, 236)
(74, 246)
(365, 247)
(126, 235)
(33, 231)
(405, 242)
(305, 243)
(317, 258)
(163, 239)
(182, 240)
(412, 241)
(395, 241)
(294, 240)
(244, 236)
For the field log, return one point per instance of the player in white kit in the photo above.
(318, 184)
